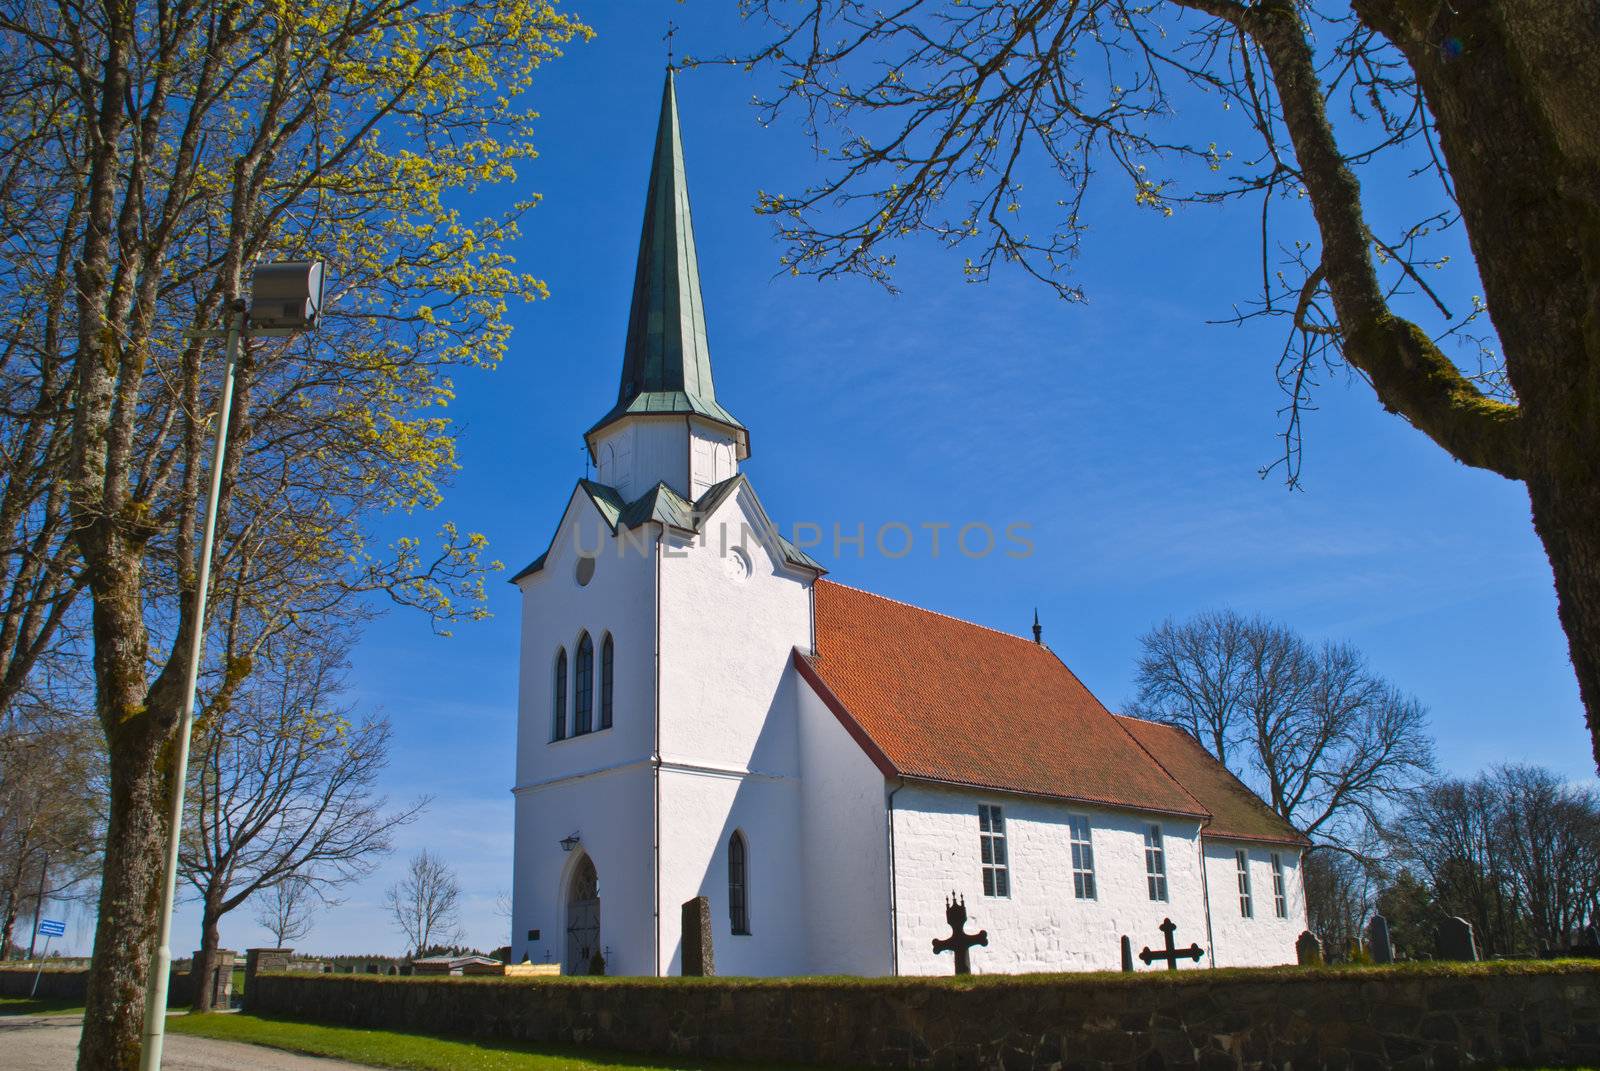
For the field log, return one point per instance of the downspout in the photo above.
(1205, 897)
(894, 893)
(655, 762)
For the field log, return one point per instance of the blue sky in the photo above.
(1125, 431)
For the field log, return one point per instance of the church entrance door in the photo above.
(583, 917)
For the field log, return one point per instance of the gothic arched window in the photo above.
(738, 885)
(584, 719)
(558, 707)
(605, 682)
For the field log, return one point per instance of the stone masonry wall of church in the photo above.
(1042, 925)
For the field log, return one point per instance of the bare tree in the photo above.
(1552, 833)
(283, 788)
(1515, 851)
(1326, 741)
(51, 817)
(287, 909)
(425, 903)
(1340, 889)
(983, 123)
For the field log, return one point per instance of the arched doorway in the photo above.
(583, 917)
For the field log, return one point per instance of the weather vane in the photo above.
(672, 30)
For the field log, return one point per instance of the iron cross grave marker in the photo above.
(960, 942)
(1173, 954)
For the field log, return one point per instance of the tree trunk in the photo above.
(210, 941)
(138, 723)
(130, 892)
(1566, 513)
(9, 927)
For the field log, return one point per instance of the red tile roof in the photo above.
(1236, 812)
(928, 696)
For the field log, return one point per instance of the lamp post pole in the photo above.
(155, 1006)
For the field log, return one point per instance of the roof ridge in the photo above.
(947, 617)
(1148, 721)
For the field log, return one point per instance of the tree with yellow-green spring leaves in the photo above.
(153, 153)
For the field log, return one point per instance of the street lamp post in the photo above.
(286, 299)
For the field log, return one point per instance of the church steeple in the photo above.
(666, 366)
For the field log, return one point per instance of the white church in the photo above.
(702, 713)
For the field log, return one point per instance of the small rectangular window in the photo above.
(1155, 863)
(1241, 860)
(992, 850)
(1280, 897)
(1082, 857)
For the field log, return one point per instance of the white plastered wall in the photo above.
(1264, 939)
(1041, 926)
(684, 452)
(729, 747)
(845, 829)
(598, 784)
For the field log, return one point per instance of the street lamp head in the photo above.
(286, 295)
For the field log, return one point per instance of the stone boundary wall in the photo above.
(1406, 1017)
(54, 984)
(58, 984)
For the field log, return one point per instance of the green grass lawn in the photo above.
(422, 1052)
(39, 1006)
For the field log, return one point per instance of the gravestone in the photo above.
(1127, 954)
(1590, 939)
(960, 942)
(1378, 940)
(698, 961)
(1453, 940)
(1172, 954)
(1308, 949)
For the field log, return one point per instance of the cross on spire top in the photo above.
(672, 31)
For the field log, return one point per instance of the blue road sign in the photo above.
(52, 928)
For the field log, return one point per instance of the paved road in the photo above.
(50, 1043)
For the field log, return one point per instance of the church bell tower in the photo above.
(667, 426)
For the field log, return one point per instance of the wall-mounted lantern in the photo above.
(569, 842)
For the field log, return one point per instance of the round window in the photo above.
(585, 571)
(737, 563)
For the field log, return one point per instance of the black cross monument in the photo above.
(1173, 954)
(959, 941)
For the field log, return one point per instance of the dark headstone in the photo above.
(960, 942)
(698, 961)
(1378, 942)
(1453, 940)
(1590, 938)
(1172, 954)
(1127, 954)
(1308, 949)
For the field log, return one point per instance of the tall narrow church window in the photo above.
(1280, 898)
(558, 705)
(1082, 857)
(584, 720)
(738, 904)
(1241, 861)
(1155, 862)
(992, 850)
(605, 682)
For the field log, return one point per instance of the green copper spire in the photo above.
(666, 365)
